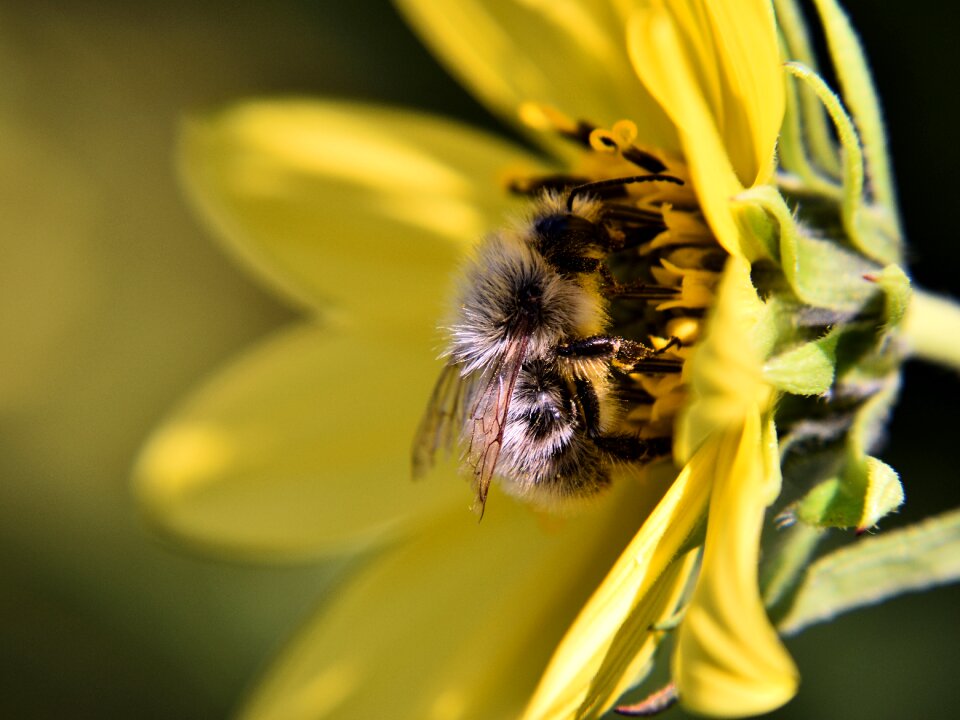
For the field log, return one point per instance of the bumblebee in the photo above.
(529, 391)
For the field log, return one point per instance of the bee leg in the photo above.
(623, 447)
(612, 287)
(589, 405)
(625, 355)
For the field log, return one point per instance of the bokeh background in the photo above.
(114, 303)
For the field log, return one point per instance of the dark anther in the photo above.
(591, 187)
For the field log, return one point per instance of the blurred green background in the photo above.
(115, 303)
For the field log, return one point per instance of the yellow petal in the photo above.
(725, 52)
(715, 69)
(725, 372)
(300, 447)
(583, 669)
(455, 624)
(563, 53)
(363, 207)
(729, 661)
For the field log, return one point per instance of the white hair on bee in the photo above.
(545, 448)
(509, 289)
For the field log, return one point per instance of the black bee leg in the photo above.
(638, 358)
(598, 186)
(630, 448)
(613, 288)
(625, 448)
(625, 355)
(674, 342)
(589, 404)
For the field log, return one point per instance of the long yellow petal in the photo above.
(729, 661)
(658, 57)
(730, 49)
(564, 53)
(350, 206)
(627, 592)
(300, 447)
(725, 372)
(714, 68)
(455, 624)
(746, 35)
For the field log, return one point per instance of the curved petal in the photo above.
(456, 623)
(725, 52)
(566, 54)
(364, 207)
(715, 70)
(593, 664)
(725, 371)
(729, 661)
(300, 447)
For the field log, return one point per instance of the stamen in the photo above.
(604, 142)
(619, 139)
(625, 132)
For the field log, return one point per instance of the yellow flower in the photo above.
(358, 215)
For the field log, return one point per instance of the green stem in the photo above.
(932, 329)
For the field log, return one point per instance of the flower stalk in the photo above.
(932, 328)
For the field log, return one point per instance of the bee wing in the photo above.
(442, 421)
(489, 415)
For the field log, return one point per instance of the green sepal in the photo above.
(757, 223)
(884, 493)
(804, 258)
(807, 369)
(859, 497)
(793, 152)
(860, 96)
(793, 29)
(870, 229)
(877, 568)
(828, 505)
(864, 489)
(895, 284)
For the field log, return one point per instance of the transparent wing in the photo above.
(443, 420)
(489, 414)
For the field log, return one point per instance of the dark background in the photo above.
(115, 303)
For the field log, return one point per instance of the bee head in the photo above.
(567, 235)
